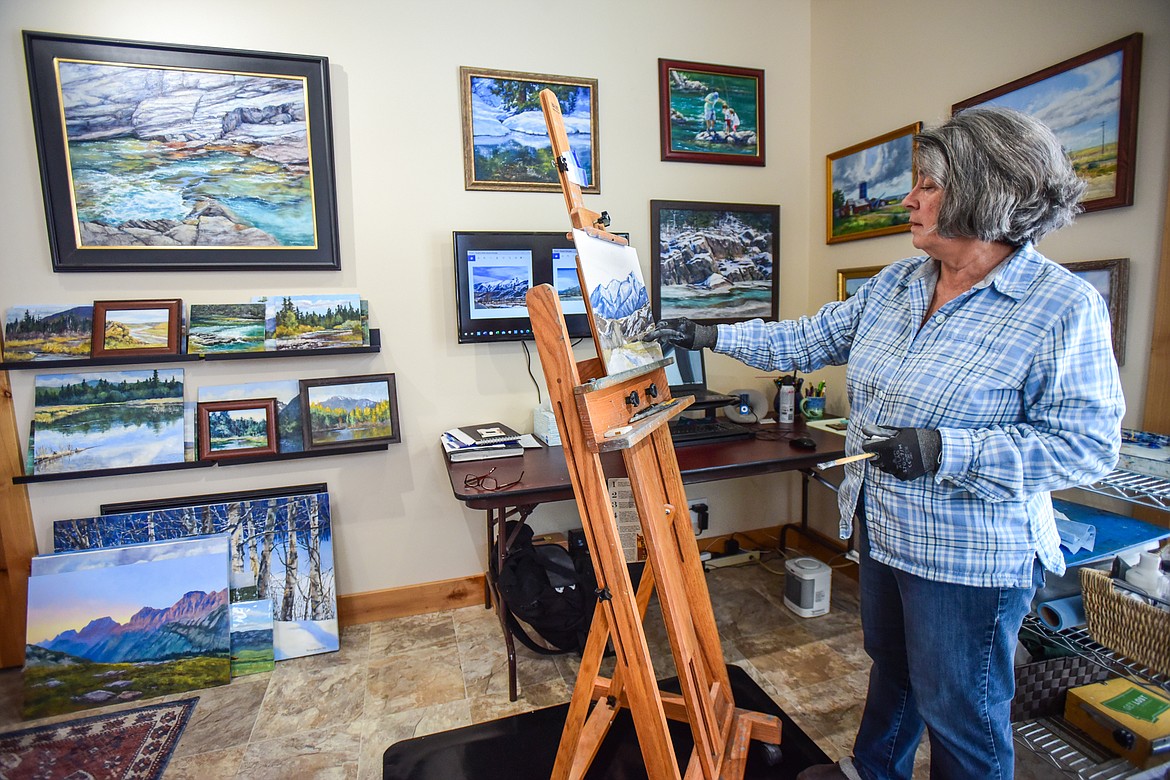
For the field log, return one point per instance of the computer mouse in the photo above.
(803, 443)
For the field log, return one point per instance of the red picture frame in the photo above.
(217, 434)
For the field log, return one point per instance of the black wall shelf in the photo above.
(196, 464)
(375, 345)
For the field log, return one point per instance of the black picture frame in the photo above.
(283, 142)
(671, 218)
(377, 426)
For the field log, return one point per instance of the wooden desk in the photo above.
(546, 478)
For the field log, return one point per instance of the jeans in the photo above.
(942, 659)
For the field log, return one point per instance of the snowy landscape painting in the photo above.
(505, 139)
(618, 301)
(116, 625)
(716, 261)
(281, 549)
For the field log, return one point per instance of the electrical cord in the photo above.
(528, 361)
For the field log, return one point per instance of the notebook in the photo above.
(688, 376)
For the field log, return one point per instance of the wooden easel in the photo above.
(593, 414)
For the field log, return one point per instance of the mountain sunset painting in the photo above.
(114, 625)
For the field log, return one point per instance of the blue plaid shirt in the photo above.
(1018, 376)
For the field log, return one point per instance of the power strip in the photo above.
(735, 559)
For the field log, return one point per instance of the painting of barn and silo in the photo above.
(867, 183)
(281, 549)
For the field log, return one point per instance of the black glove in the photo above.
(683, 333)
(908, 454)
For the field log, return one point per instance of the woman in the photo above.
(981, 377)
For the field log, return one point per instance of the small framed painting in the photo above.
(1111, 279)
(850, 280)
(505, 139)
(237, 429)
(866, 184)
(711, 113)
(137, 328)
(717, 262)
(350, 410)
(1091, 103)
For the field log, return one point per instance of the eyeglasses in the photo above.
(488, 482)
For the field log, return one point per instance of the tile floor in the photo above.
(332, 716)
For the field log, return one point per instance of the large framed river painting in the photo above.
(717, 262)
(505, 139)
(162, 157)
(1091, 103)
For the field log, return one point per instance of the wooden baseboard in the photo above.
(374, 605)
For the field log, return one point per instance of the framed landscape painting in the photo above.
(162, 157)
(344, 411)
(711, 113)
(717, 262)
(866, 185)
(850, 280)
(1111, 279)
(1091, 103)
(137, 328)
(237, 429)
(505, 139)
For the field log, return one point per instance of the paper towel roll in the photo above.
(1057, 614)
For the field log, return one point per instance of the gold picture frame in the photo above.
(849, 279)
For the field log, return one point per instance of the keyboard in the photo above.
(684, 430)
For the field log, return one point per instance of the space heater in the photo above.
(806, 586)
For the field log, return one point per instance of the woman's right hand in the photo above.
(683, 333)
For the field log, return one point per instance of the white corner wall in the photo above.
(837, 72)
(396, 115)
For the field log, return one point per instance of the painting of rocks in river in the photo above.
(716, 261)
(170, 157)
(618, 301)
(506, 144)
(281, 549)
(226, 327)
(109, 419)
(47, 332)
(121, 624)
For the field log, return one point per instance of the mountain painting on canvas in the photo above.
(126, 623)
(618, 301)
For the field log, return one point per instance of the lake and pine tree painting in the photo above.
(287, 392)
(47, 332)
(280, 551)
(109, 419)
(229, 430)
(117, 625)
(313, 321)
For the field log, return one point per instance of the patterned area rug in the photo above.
(129, 745)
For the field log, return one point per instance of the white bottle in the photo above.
(1147, 575)
(787, 404)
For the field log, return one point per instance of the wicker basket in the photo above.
(1041, 686)
(1138, 631)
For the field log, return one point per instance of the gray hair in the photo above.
(1004, 176)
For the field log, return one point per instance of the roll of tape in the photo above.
(1058, 614)
(756, 400)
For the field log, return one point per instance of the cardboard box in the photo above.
(1129, 720)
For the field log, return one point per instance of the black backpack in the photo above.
(549, 589)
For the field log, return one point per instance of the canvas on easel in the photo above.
(618, 301)
(626, 410)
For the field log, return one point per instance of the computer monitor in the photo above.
(495, 270)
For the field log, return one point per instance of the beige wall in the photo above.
(838, 72)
